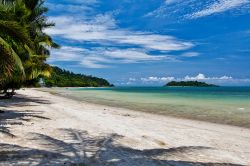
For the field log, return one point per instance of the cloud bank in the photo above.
(104, 57)
(194, 9)
(219, 7)
(106, 45)
(103, 30)
(199, 77)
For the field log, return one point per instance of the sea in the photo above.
(225, 105)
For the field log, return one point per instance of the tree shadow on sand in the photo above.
(22, 100)
(79, 148)
(10, 118)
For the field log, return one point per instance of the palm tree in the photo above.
(14, 36)
(36, 66)
(23, 44)
(38, 22)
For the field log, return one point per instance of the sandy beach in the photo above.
(40, 128)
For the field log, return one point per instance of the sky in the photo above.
(151, 42)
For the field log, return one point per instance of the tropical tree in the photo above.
(24, 47)
(36, 65)
(14, 36)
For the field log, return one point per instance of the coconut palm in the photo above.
(14, 36)
(36, 66)
(24, 47)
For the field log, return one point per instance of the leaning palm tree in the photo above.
(24, 47)
(14, 36)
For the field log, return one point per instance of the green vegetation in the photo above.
(24, 47)
(64, 78)
(190, 83)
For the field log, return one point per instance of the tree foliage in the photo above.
(24, 47)
(189, 83)
(64, 78)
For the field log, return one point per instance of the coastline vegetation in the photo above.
(64, 78)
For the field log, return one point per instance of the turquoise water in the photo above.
(227, 105)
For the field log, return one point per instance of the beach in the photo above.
(41, 128)
(223, 105)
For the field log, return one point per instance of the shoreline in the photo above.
(88, 133)
(149, 113)
(211, 118)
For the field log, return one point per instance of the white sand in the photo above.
(52, 130)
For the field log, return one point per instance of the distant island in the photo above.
(190, 83)
(63, 78)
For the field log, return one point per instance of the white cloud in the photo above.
(132, 79)
(73, 8)
(218, 7)
(103, 57)
(133, 55)
(177, 10)
(76, 7)
(199, 77)
(67, 53)
(157, 79)
(191, 54)
(94, 62)
(104, 39)
(223, 80)
(102, 29)
(203, 77)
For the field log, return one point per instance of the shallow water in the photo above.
(227, 105)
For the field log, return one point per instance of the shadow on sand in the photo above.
(10, 117)
(22, 100)
(79, 148)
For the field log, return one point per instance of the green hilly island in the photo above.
(63, 78)
(190, 83)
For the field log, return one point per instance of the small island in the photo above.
(190, 83)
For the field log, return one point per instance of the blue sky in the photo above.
(138, 42)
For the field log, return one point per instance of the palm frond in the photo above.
(34, 70)
(9, 60)
(15, 31)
